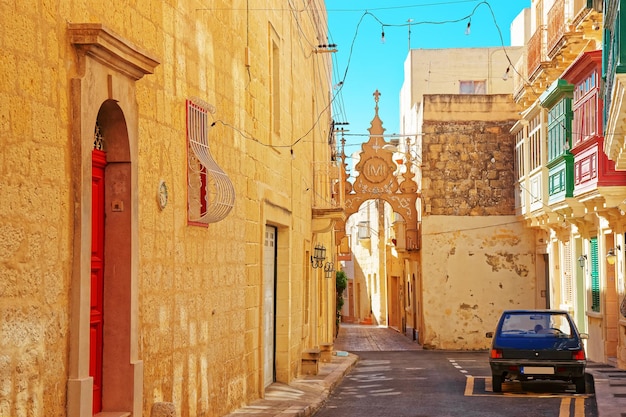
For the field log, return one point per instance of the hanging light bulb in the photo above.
(506, 73)
(382, 36)
(467, 29)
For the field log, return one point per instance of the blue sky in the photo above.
(374, 65)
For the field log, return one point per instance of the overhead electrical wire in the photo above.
(336, 102)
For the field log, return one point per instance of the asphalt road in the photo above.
(419, 383)
(444, 384)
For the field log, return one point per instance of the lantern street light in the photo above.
(611, 255)
(319, 255)
(329, 268)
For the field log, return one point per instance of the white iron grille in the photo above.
(219, 193)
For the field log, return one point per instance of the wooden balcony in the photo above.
(567, 20)
(556, 26)
(328, 194)
(536, 51)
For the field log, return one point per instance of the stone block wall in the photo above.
(467, 155)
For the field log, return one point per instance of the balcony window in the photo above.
(586, 95)
(534, 139)
(364, 230)
(519, 154)
(559, 128)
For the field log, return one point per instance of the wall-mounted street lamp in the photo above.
(329, 268)
(319, 256)
(581, 260)
(611, 255)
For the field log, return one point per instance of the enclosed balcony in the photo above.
(328, 194)
(615, 84)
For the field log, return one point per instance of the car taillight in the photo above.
(579, 355)
(496, 353)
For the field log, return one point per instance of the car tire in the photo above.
(580, 385)
(496, 383)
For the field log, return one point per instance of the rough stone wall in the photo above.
(467, 158)
(199, 288)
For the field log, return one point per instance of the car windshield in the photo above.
(539, 324)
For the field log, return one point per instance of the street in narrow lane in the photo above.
(395, 378)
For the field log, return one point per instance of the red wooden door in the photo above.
(97, 273)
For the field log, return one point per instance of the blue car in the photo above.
(537, 344)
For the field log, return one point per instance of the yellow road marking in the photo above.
(579, 407)
(469, 386)
(564, 410)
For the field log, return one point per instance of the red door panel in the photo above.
(97, 275)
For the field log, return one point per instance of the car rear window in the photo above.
(536, 324)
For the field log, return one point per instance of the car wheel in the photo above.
(580, 385)
(496, 383)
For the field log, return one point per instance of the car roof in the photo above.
(544, 311)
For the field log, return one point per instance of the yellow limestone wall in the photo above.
(199, 288)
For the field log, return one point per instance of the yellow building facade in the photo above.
(166, 173)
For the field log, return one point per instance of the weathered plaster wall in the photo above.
(473, 268)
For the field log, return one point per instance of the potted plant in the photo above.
(341, 283)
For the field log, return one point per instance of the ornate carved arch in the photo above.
(377, 179)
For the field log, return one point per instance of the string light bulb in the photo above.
(382, 36)
(506, 73)
(467, 29)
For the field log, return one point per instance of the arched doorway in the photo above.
(105, 373)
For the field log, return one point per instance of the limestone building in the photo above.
(166, 175)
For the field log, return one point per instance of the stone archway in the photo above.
(380, 179)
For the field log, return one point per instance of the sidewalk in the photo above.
(610, 389)
(305, 395)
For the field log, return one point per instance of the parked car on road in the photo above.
(537, 344)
